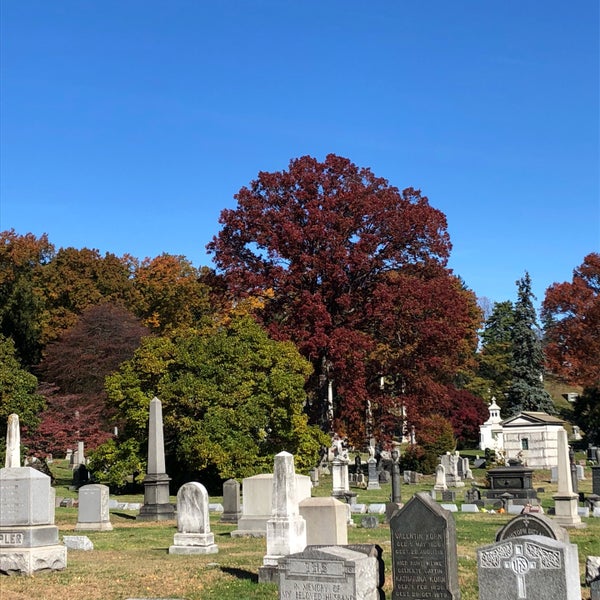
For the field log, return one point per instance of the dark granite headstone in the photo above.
(595, 590)
(424, 555)
(532, 524)
(596, 480)
(448, 496)
(369, 522)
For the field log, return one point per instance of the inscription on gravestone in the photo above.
(424, 557)
(532, 524)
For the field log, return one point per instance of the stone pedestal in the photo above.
(28, 536)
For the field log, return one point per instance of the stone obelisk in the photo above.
(156, 483)
(565, 499)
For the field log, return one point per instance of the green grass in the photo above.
(132, 560)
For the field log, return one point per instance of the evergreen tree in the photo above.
(526, 391)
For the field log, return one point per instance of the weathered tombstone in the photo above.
(92, 513)
(231, 502)
(286, 529)
(28, 536)
(531, 567)
(532, 524)
(448, 496)
(553, 474)
(424, 555)
(344, 572)
(314, 477)
(193, 522)
(440, 479)
(469, 508)
(78, 542)
(326, 521)
(156, 483)
(592, 569)
(373, 483)
(339, 478)
(396, 485)
(13, 442)
(580, 472)
(565, 500)
(369, 522)
(595, 589)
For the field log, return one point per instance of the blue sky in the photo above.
(127, 126)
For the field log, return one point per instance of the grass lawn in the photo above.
(132, 560)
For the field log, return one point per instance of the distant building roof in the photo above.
(532, 418)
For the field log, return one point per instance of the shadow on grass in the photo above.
(241, 574)
(123, 515)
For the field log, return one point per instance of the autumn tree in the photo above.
(231, 399)
(73, 373)
(336, 245)
(571, 316)
(173, 294)
(22, 298)
(526, 391)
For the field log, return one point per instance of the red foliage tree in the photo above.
(340, 248)
(73, 372)
(571, 315)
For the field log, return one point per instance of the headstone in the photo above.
(339, 478)
(78, 542)
(92, 514)
(325, 521)
(532, 567)
(314, 477)
(336, 572)
(448, 496)
(193, 522)
(377, 508)
(596, 480)
(257, 496)
(449, 507)
(28, 537)
(13, 442)
(469, 508)
(286, 529)
(580, 473)
(373, 483)
(532, 524)
(565, 500)
(440, 479)
(424, 554)
(215, 507)
(553, 474)
(369, 522)
(156, 483)
(231, 502)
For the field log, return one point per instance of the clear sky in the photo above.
(127, 126)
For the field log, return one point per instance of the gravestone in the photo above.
(532, 524)
(369, 522)
(156, 505)
(592, 569)
(78, 542)
(28, 537)
(424, 555)
(373, 483)
(531, 567)
(193, 523)
(286, 529)
(440, 479)
(326, 521)
(336, 572)
(231, 502)
(596, 480)
(257, 503)
(595, 589)
(396, 484)
(92, 513)
(448, 496)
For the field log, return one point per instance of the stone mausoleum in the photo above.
(529, 437)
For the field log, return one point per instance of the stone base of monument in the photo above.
(565, 511)
(251, 526)
(28, 561)
(269, 573)
(193, 543)
(102, 526)
(156, 512)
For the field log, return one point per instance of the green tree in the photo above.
(17, 393)
(494, 360)
(231, 399)
(526, 391)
